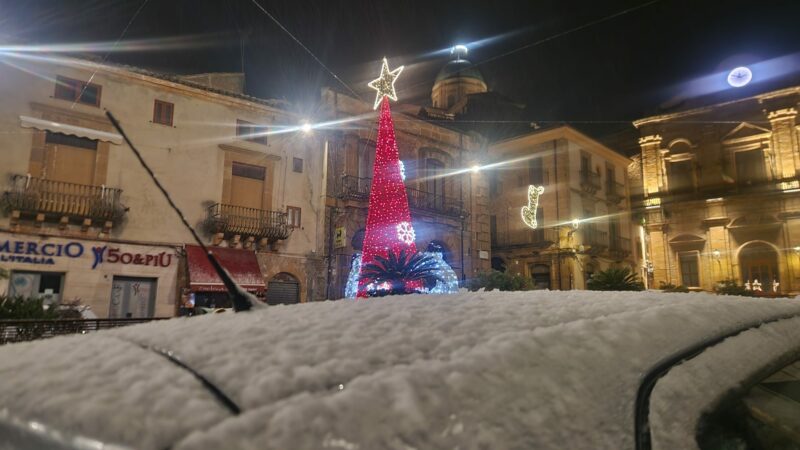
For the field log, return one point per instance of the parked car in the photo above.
(480, 370)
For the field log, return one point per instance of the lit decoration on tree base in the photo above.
(529, 211)
(447, 282)
(390, 262)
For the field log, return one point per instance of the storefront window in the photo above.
(45, 285)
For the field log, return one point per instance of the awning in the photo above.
(241, 264)
(57, 127)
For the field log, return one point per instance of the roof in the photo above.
(459, 68)
(541, 369)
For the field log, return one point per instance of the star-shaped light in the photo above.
(384, 84)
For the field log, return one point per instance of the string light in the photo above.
(529, 210)
(388, 201)
(402, 171)
(384, 84)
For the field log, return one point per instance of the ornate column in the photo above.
(784, 141)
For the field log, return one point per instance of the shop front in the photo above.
(114, 280)
(206, 289)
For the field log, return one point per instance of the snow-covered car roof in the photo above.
(474, 370)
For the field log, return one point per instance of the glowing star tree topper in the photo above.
(384, 84)
(529, 210)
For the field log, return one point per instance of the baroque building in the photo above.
(82, 220)
(581, 216)
(720, 193)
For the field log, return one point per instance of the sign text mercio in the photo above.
(37, 253)
(117, 256)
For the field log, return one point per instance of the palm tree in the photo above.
(615, 279)
(400, 268)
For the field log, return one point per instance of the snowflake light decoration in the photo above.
(405, 232)
(402, 170)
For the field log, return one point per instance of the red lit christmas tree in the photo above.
(389, 228)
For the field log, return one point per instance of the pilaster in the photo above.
(784, 141)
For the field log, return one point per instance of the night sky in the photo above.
(622, 60)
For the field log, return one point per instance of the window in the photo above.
(585, 163)
(766, 416)
(293, 216)
(251, 132)
(72, 141)
(681, 176)
(162, 112)
(493, 229)
(44, 285)
(750, 167)
(690, 276)
(297, 165)
(247, 186)
(77, 91)
(535, 171)
(132, 297)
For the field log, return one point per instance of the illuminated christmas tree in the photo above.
(389, 228)
(390, 263)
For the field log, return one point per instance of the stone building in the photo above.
(583, 221)
(449, 210)
(720, 193)
(82, 220)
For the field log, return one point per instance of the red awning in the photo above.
(241, 264)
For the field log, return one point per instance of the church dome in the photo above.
(459, 68)
(457, 79)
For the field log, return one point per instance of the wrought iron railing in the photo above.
(594, 237)
(590, 181)
(56, 199)
(32, 329)
(615, 192)
(357, 188)
(620, 246)
(524, 237)
(239, 220)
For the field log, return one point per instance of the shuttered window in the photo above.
(162, 112)
(77, 91)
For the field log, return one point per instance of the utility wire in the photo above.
(258, 5)
(241, 299)
(105, 57)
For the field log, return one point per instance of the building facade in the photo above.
(720, 194)
(449, 205)
(82, 220)
(579, 223)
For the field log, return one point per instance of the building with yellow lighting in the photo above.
(720, 193)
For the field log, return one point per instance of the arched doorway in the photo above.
(759, 261)
(541, 276)
(283, 289)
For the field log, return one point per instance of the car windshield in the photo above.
(767, 416)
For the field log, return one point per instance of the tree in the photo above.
(502, 281)
(615, 279)
(401, 270)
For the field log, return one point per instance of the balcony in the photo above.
(234, 220)
(62, 201)
(615, 192)
(619, 247)
(597, 240)
(355, 188)
(590, 181)
(539, 238)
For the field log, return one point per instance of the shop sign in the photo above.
(116, 256)
(340, 238)
(37, 253)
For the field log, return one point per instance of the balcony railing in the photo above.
(525, 237)
(590, 181)
(615, 192)
(57, 199)
(242, 221)
(356, 188)
(594, 237)
(619, 246)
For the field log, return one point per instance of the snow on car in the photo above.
(522, 370)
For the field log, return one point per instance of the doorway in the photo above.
(132, 298)
(759, 261)
(283, 289)
(541, 276)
